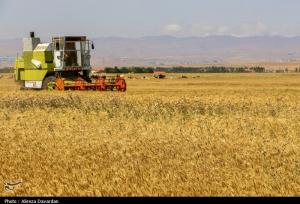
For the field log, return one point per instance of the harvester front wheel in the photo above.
(47, 80)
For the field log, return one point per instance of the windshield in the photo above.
(72, 52)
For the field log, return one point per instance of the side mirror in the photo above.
(93, 46)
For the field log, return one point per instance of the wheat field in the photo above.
(204, 135)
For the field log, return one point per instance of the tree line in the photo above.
(6, 70)
(211, 69)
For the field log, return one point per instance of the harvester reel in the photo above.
(100, 84)
(79, 84)
(121, 84)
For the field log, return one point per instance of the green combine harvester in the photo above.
(63, 64)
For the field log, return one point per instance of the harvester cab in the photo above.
(63, 64)
(71, 53)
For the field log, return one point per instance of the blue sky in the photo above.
(136, 18)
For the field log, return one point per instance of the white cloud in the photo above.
(246, 29)
(172, 28)
(207, 30)
(251, 29)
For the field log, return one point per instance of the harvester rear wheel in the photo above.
(47, 80)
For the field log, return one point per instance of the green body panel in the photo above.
(25, 70)
(27, 56)
(46, 58)
(19, 74)
(22, 74)
(35, 75)
(19, 69)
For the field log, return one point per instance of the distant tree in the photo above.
(110, 70)
(6, 70)
(179, 69)
(258, 69)
(149, 70)
(124, 70)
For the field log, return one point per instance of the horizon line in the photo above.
(169, 36)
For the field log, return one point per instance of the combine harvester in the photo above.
(61, 65)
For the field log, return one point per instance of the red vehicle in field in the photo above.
(159, 75)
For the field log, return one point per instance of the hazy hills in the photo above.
(191, 50)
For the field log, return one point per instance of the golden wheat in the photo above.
(216, 134)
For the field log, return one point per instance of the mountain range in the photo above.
(168, 50)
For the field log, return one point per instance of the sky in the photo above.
(138, 18)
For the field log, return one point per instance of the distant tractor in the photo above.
(159, 75)
(63, 64)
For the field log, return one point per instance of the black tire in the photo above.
(47, 80)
